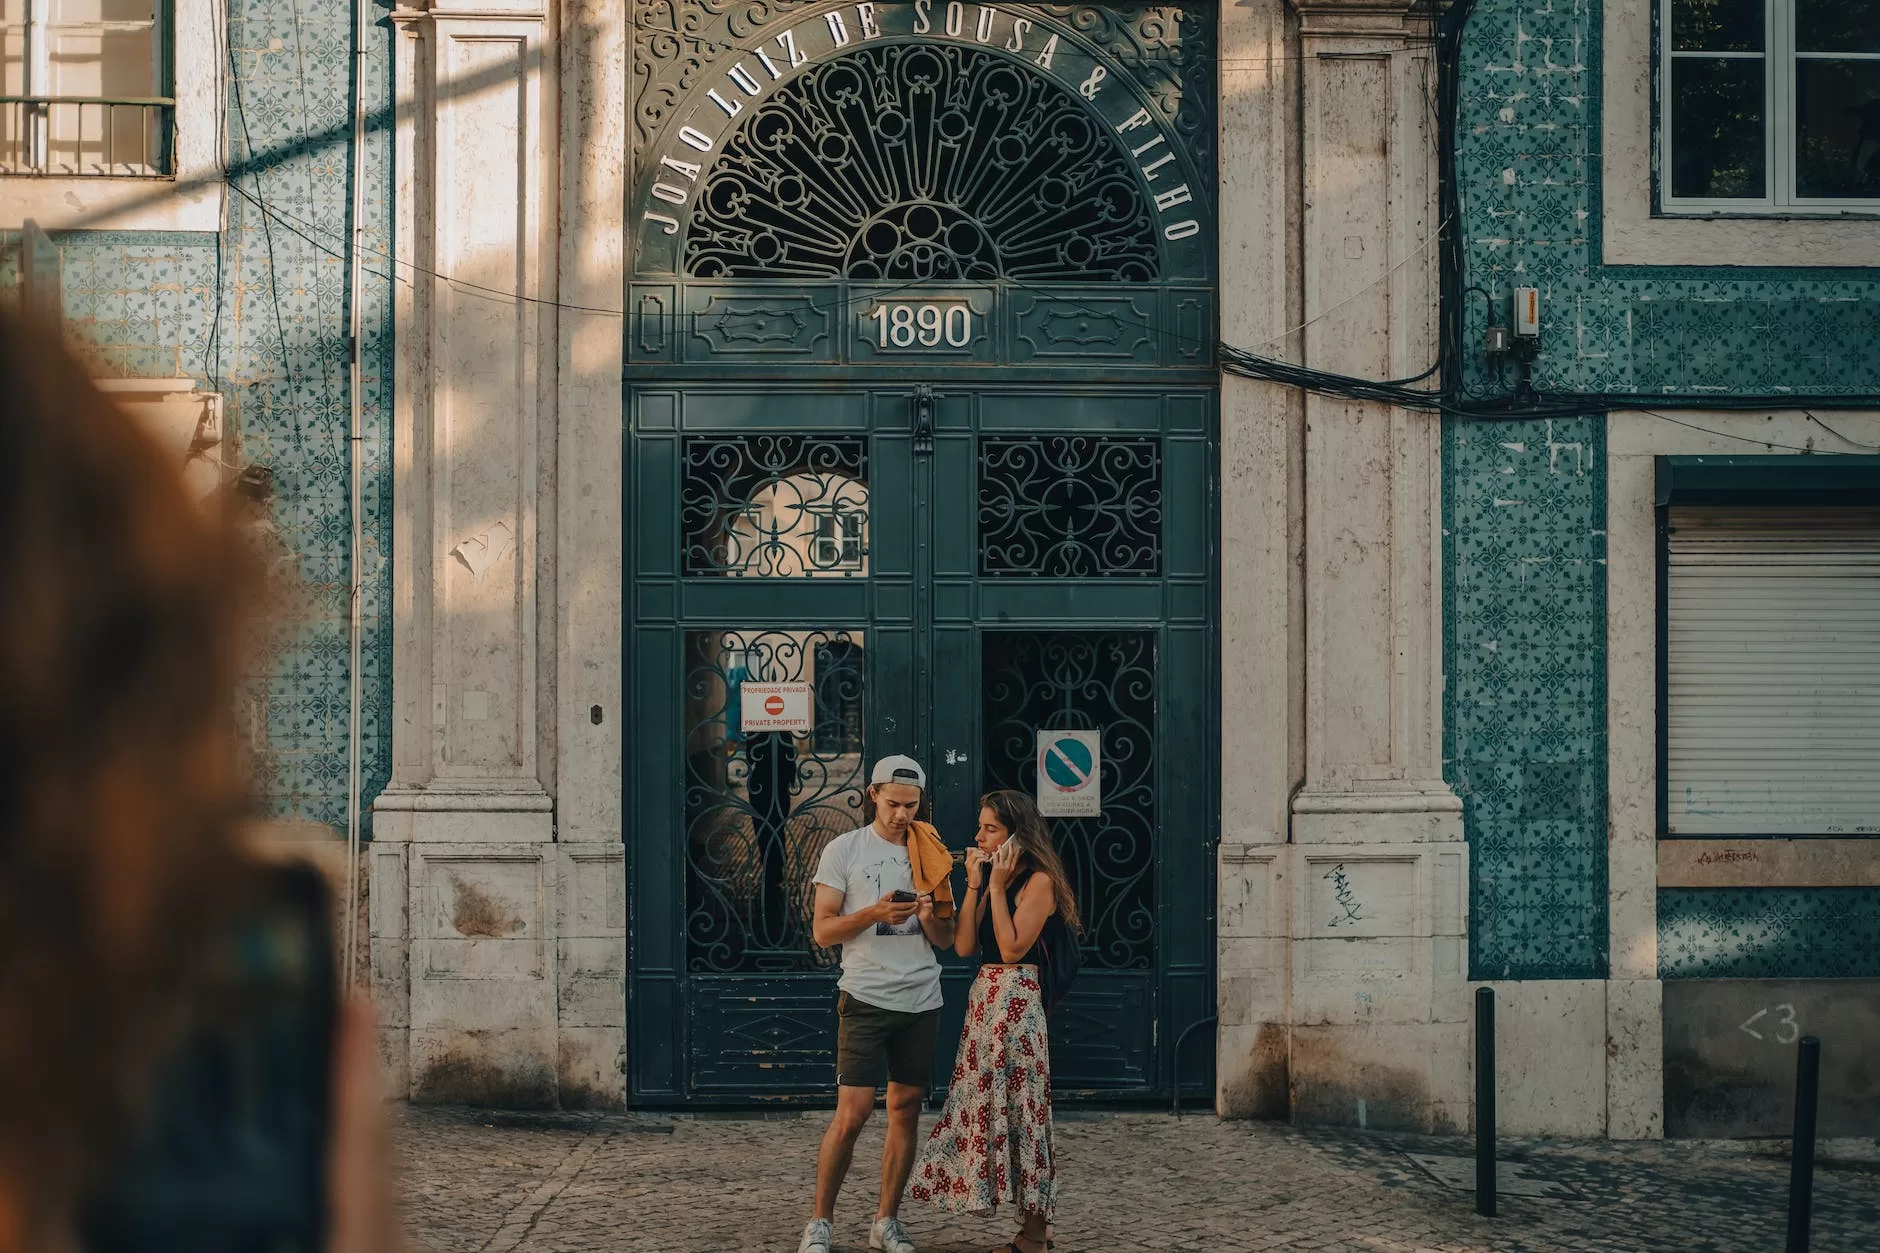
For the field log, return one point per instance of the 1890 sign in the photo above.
(906, 326)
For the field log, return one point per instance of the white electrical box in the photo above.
(1527, 312)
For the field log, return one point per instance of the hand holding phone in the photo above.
(893, 911)
(233, 1151)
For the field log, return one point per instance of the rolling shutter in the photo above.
(1772, 672)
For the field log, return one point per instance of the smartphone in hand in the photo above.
(911, 926)
(231, 1152)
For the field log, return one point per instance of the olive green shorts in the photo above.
(874, 1044)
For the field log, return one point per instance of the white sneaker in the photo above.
(890, 1236)
(818, 1236)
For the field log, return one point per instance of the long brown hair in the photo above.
(1018, 814)
(120, 791)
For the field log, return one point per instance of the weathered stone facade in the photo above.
(1437, 736)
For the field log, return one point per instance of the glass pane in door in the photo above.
(775, 506)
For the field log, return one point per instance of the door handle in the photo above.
(923, 419)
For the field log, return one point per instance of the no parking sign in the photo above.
(1070, 774)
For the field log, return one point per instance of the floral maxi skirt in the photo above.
(992, 1145)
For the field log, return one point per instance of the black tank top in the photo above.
(989, 938)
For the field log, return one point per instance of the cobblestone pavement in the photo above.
(482, 1182)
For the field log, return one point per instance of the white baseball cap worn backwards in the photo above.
(899, 770)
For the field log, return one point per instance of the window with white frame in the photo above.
(838, 541)
(85, 88)
(1769, 106)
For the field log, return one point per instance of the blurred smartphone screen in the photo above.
(231, 1153)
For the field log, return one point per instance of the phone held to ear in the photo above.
(231, 1155)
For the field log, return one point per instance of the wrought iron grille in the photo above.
(759, 808)
(917, 162)
(1070, 506)
(1072, 680)
(775, 506)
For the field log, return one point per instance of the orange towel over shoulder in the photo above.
(932, 865)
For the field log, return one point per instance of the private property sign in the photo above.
(775, 707)
(1069, 774)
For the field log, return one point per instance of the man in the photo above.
(888, 1013)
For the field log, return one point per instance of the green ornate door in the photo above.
(921, 458)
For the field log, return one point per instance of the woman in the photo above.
(121, 797)
(992, 1145)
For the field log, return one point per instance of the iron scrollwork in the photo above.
(1070, 506)
(775, 506)
(916, 162)
(1172, 47)
(678, 42)
(1086, 680)
(759, 808)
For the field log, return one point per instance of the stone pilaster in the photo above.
(464, 868)
(1378, 873)
(1262, 590)
(584, 614)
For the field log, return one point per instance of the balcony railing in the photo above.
(88, 136)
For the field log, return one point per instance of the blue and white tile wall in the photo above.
(1526, 656)
(260, 313)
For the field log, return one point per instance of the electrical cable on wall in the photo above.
(306, 129)
(1241, 361)
(267, 225)
(1454, 397)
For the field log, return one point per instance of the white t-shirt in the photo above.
(886, 969)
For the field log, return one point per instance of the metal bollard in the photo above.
(1802, 1153)
(1485, 1102)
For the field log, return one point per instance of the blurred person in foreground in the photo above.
(122, 799)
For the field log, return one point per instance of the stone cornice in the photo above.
(1363, 19)
(407, 15)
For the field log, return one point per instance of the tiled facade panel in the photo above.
(260, 314)
(1767, 933)
(1524, 593)
(1524, 726)
(1528, 163)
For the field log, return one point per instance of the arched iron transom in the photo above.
(916, 162)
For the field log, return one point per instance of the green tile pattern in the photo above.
(1524, 545)
(1524, 712)
(1769, 933)
(1528, 165)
